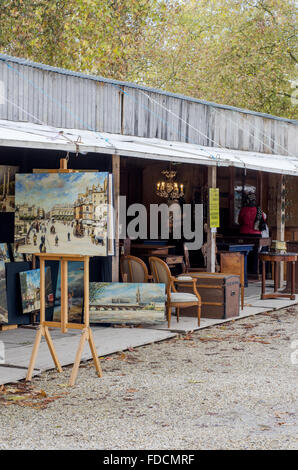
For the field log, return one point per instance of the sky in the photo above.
(149, 292)
(47, 189)
(33, 277)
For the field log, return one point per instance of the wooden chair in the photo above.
(161, 273)
(233, 263)
(187, 267)
(133, 269)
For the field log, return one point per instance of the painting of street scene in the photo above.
(62, 213)
(4, 252)
(7, 188)
(30, 290)
(3, 294)
(75, 280)
(127, 303)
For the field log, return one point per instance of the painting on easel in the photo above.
(7, 188)
(132, 303)
(62, 213)
(75, 280)
(3, 294)
(30, 290)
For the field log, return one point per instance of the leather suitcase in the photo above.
(220, 294)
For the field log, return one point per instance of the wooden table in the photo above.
(278, 258)
(233, 248)
(144, 251)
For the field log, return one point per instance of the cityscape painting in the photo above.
(75, 280)
(3, 294)
(4, 252)
(126, 303)
(62, 213)
(30, 290)
(7, 188)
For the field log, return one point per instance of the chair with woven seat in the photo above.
(162, 274)
(133, 269)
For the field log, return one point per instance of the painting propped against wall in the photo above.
(7, 188)
(75, 280)
(30, 290)
(127, 303)
(62, 213)
(4, 252)
(3, 294)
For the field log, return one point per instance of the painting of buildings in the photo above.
(75, 281)
(30, 290)
(4, 252)
(3, 294)
(62, 213)
(127, 303)
(7, 188)
(15, 253)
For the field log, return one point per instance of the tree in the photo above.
(236, 52)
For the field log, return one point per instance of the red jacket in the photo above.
(246, 219)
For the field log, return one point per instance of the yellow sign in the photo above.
(214, 207)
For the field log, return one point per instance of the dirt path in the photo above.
(226, 387)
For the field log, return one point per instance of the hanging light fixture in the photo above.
(169, 188)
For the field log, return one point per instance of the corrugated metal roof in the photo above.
(28, 135)
(17, 60)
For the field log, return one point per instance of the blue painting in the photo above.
(132, 303)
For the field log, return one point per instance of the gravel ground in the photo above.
(225, 387)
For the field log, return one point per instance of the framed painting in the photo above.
(62, 213)
(4, 252)
(3, 294)
(130, 303)
(30, 290)
(75, 279)
(7, 188)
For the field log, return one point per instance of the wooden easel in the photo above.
(43, 329)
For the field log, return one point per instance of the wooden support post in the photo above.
(280, 220)
(116, 181)
(211, 236)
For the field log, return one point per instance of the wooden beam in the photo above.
(280, 218)
(211, 236)
(116, 182)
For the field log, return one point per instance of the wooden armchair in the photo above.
(133, 269)
(162, 274)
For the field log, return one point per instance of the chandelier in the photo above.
(169, 188)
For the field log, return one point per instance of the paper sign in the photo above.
(214, 207)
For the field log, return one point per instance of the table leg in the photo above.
(263, 279)
(276, 277)
(293, 281)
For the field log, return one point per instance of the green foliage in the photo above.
(236, 52)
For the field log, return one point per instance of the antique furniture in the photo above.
(292, 248)
(257, 241)
(161, 273)
(220, 294)
(276, 258)
(145, 250)
(187, 267)
(233, 263)
(233, 247)
(133, 269)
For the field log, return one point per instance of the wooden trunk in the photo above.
(220, 294)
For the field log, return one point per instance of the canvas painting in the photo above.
(15, 253)
(30, 290)
(3, 294)
(7, 188)
(62, 213)
(75, 281)
(127, 303)
(4, 252)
